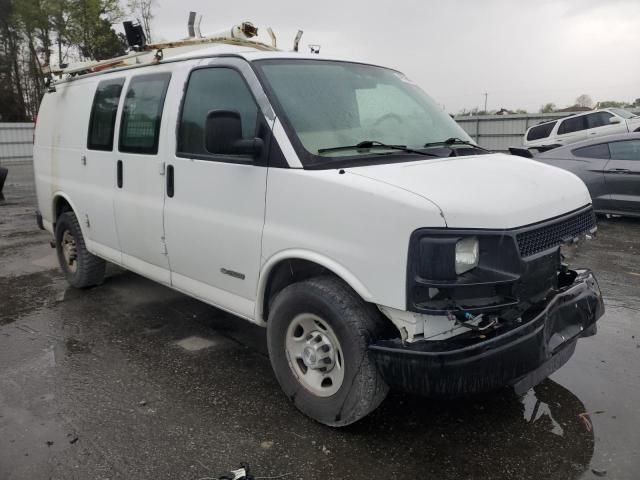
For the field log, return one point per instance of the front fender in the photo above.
(301, 254)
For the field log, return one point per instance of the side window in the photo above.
(210, 89)
(599, 119)
(142, 113)
(540, 131)
(594, 151)
(625, 150)
(103, 114)
(573, 124)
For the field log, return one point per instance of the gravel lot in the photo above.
(132, 380)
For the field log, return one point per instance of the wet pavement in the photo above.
(132, 380)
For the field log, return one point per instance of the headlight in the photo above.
(467, 254)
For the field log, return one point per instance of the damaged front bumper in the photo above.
(522, 357)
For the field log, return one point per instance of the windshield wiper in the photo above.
(455, 141)
(369, 144)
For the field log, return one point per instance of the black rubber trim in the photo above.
(447, 368)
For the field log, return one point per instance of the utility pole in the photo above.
(485, 101)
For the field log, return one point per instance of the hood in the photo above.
(495, 191)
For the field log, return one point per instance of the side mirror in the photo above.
(223, 135)
(615, 120)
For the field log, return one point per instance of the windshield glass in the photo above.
(622, 113)
(330, 104)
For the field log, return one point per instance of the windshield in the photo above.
(328, 104)
(623, 113)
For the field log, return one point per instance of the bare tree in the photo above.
(584, 100)
(141, 9)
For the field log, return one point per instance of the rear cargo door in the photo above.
(100, 170)
(139, 169)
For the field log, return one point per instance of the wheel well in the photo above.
(60, 205)
(637, 129)
(286, 273)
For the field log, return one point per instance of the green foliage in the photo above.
(34, 33)
(611, 104)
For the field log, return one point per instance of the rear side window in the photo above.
(540, 131)
(574, 124)
(593, 151)
(599, 119)
(142, 113)
(214, 89)
(625, 150)
(103, 114)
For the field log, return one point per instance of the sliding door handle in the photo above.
(170, 180)
(119, 173)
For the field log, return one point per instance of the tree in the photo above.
(611, 104)
(548, 108)
(584, 100)
(90, 29)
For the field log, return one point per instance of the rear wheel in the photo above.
(81, 268)
(318, 334)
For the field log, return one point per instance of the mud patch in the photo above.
(25, 294)
(74, 346)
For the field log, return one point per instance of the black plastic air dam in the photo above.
(523, 356)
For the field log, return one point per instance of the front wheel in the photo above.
(81, 268)
(318, 335)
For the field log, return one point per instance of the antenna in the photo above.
(296, 40)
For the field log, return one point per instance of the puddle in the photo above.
(195, 343)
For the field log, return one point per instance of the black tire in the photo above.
(356, 325)
(89, 269)
(3, 176)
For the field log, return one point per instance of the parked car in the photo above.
(320, 198)
(609, 166)
(581, 126)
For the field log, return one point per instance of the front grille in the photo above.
(548, 236)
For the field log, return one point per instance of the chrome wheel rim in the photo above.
(70, 251)
(315, 355)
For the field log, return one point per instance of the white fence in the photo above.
(495, 132)
(16, 142)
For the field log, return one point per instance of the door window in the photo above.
(593, 151)
(599, 119)
(213, 89)
(142, 113)
(103, 114)
(573, 124)
(625, 150)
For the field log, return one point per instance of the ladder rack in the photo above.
(148, 54)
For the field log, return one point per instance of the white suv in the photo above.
(332, 202)
(581, 126)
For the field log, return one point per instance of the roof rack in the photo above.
(142, 53)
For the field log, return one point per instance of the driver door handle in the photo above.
(619, 170)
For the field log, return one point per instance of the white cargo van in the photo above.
(332, 202)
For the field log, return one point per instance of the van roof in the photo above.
(177, 54)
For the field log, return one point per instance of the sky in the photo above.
(522, 53)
